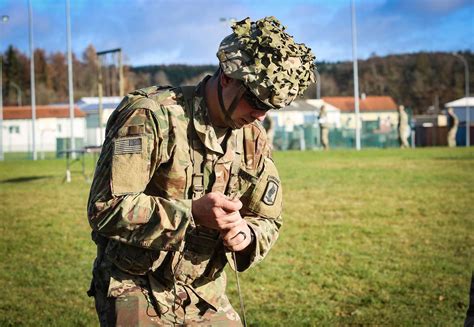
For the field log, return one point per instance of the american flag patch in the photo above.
(128, 145)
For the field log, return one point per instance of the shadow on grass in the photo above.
(454, 158)
(24, 179)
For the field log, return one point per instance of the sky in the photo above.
(189, 31)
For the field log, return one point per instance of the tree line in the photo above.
(423, 81)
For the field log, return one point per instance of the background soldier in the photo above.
(403, 127)
(270, 129)
(186, 184)
(453, 123)
(324, 128)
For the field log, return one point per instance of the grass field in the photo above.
(380, 237)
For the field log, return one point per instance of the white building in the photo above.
(381, 110)
(52, 127)
(90, 106)
(303, 112)
(460, 108)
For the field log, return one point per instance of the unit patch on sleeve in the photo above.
(128, 145)
(271, 191)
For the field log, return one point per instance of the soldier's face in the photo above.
(244, 113)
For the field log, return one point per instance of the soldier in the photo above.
(269, 129)
(453, 123)
(186, 184)
(324, 128)
(403, 127)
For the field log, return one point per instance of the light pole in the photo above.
(468, 109)
(5, 19)
(32, 79)
(356, 77)
(71, 86)
(100, 54)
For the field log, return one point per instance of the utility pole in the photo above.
(356, 77)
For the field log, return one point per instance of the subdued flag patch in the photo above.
(128, 145)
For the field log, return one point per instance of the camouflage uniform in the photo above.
(150, 253)
(324, 128)
(155, 265)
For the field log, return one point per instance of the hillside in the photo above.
(420, 81)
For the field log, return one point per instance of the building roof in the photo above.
(24, 112)
(92, 103)
(302, 105)
(369, 103)
(463, 102)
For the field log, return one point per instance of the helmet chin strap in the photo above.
(228, 112)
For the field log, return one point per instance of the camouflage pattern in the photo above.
(150, 251)
(271, 64)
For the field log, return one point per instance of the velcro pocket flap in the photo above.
(130, 165)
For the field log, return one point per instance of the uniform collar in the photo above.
(202, 122)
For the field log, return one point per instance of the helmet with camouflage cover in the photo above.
(267, 60)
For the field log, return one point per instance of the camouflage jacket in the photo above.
(160, 151)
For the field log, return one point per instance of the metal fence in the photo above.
(307, 137)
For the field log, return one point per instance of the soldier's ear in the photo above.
(225, 80)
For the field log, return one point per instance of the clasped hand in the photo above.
(217, 211)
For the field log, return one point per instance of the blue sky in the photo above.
(189, 31)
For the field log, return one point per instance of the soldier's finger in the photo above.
(229, 221)
(238, 247)
(235, 239)
(230, 205)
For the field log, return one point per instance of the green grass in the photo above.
(379, 237)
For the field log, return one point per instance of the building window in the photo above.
(14, 129)
(59, 128)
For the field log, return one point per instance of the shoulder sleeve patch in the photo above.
(266, 197)
(271, 191)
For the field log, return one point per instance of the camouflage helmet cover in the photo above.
(268, 61)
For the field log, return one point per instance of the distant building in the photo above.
(379, 110)
(460, 109)
(52, 128)
(90, 106)
(303, 112)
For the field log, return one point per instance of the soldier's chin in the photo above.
(239, 124)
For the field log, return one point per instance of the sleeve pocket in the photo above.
(130, 165)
